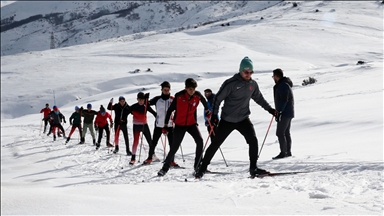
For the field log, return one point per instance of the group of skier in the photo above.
(176, 115)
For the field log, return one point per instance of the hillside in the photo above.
(27, 26)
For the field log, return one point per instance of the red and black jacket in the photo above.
(185, 106)
(139, 113)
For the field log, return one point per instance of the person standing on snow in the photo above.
(185, 105)
(139, 113)
(46, 112)
(122, 110)
(236, 93)
(209, 95)
(101, 124)
(284, 105)
(88, 115)
(162, 104)
(75, 121)
(56, 117)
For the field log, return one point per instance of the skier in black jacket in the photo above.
(56, 117)
(284, 105)
(122, 110)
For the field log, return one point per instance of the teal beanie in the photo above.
(246, 64)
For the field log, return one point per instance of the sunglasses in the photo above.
(248, 72)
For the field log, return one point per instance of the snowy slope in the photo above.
(337, 132)
(27, 26)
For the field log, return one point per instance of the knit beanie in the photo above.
(102, 109)
(246, 64)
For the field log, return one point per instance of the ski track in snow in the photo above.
(338, 181)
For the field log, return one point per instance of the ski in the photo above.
(177, 167)
(153, 177)
(218, 173)
(278, 174)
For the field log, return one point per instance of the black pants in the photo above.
(106, 128)
(123, 127)
(178, 135)
(224, 128)
(156, 136)
(59, 126)
(137, 129)
(283, 133)
(45, 124)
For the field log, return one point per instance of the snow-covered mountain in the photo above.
(28, 26)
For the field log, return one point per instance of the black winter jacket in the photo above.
(121, 112)
(283, 95)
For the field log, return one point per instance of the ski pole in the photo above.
(162, 142)
(182, 155)
(41, 124)
(223, 157)
(142, 134)
(266, 136)
(210, 125)
(205, 145)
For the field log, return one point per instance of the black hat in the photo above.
(47, 104)
(190, 83)
(208, 90)
(102, 109)
(140, 95)
(165, 84)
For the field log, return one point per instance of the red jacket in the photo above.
(46, 111)
(101, 120)
(139, 113)
(185, 107)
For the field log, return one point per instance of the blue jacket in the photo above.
(209, 103)
(283, 95)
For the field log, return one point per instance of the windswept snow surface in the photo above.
(337, 132)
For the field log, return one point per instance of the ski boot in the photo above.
(133, 160)
(67, 140)
(116, 149)
(163, 171)
(148, 161)
(97, 146)
(258, 172)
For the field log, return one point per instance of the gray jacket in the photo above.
(236, 94)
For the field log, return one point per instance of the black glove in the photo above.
(278, 116)
(96, 128)
(65, 121)
(146, 96)
(111, 124)
(214, 121)
(272, 111)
